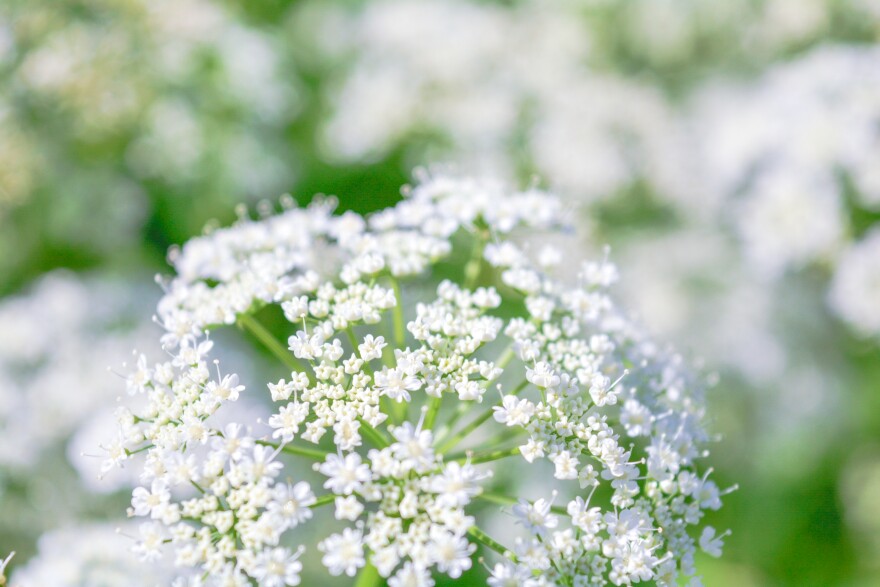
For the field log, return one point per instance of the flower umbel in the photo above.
(391, 394)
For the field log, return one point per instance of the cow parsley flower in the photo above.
(404, 394)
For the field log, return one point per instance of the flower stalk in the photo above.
(251, 324)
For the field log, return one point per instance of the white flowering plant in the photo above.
(404, 397)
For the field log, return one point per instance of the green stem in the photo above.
(464, 432)
(300, 451)
(368, 577)
(352, 339)
(487, 540)
(506, 436)
(506, 357)
(323, 500)
(476, 458)
(475, 263)
(461, 409)
(433, 410)
(141, 449)
(399, 327)
(455, 439)
(388, 358)
(253, 326)
(373, 435)
(396, 410)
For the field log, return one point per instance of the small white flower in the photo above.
(710, 543)
(542, 375)
(451, 553)
(395, 384)
(277, 568)
(566, 465)
(584, 517)
(411, 575)
(636, 418)
(296, 309)
(281, 391)
(149, 545)
(506, 574)
(262, 463)
(602, 391)
(348, 508)
(536, 517)
(346, 474)
(514, 411)
(287, 421)
(346, 435)
(343, 553)
(372, 347)
(151, 502)
(457, 484)
(414, 447)
(227, 389)
(290, 503)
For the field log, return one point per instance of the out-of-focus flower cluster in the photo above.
(509, 90)
(684, 39)
(57, 397)
(795, 154)
(89, 554)
(131, 108)
(49, 390)
(580, 387)
(178, 76)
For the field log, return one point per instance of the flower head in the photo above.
(384, 395)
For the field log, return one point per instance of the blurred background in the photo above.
(728, 151)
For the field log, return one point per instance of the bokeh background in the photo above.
(728, 151)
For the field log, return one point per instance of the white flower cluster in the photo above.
(85, 556)
(796, 154)
(676, 34)
(600, 382)
(420, 514)
(229, 498)
(56, 343)
(513, 83)
(783, 145)
(123, 76)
